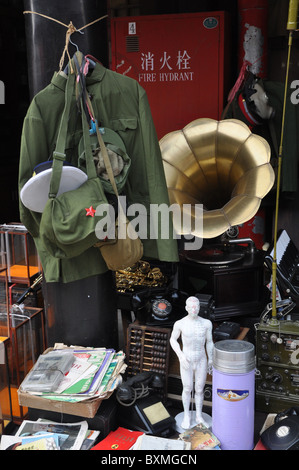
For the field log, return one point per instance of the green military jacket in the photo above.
(121, 104)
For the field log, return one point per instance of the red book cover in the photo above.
(121, 439)
(260, 446)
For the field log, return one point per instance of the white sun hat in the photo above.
(35, 192)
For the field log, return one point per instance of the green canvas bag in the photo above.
(68, 221)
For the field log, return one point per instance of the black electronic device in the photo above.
(226, 330)
(207, 306)
(138, 386)
(287, 269)
(277, 358)
(284, 433)
(232, 272)
(140, 406)
(160, 309)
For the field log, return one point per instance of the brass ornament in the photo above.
(139, 275)
(221, 165)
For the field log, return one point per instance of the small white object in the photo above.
(179, 419)
(35, 193)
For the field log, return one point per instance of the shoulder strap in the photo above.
(59, 152)
(122, 216)
(59, 155)
(103, 149)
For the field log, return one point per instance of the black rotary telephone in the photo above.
(284, 433)
(138, 386)
(140, 406)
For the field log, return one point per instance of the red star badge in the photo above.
(90, 211)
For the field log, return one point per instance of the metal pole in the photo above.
(291, 26)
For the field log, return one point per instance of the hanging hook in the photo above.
(75, 45)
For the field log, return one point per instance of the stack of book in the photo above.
(75, 374)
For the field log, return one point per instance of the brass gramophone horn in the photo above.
(221, 165)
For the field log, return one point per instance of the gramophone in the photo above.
(224, 167)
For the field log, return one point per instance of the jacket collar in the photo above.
(59, 78)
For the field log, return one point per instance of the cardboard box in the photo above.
(86, 409)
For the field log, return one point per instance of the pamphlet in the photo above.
(200, 437)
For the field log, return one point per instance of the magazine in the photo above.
(79, 367)
(99, 361)
(148, 442)
(72, 435)
(200, 437)
(47, 440)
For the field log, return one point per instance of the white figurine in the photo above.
(197, 344)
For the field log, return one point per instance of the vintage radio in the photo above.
(277, 362)
(287, 260)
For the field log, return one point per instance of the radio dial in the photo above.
(264, 336)
(273, 338)
(276, 378)
(265, 357)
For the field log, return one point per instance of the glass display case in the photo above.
(27, 342)
(22, 328)
(4, 301)
(5, 395)
(23, 263)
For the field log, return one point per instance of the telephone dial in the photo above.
(159, 309)
(284, 433)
